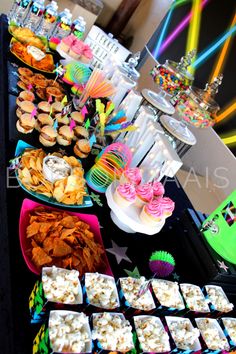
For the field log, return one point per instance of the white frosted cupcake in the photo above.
(125, 195)
(152, 213)
(144, 194)
(131, 175)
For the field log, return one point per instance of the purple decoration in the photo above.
(161, 268)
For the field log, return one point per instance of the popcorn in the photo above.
(69, 332)
(183, 333)
(61, 285)
(101, 290)
(218, 298)
(230, 326)
(112, 331)
(194, 298)
(151, 334)
(212, 334)
(131, 287)
(167, 293)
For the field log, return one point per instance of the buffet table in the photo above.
(17, 281)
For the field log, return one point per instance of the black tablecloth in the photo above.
(16, 280)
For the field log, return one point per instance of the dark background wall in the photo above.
(216, 18)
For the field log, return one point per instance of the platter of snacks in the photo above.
(69, 332)
(184, 335)
(36, 171)
(28, 37)
(67, 240)
(212, 334)
(152, 335)
(32, 56)
(112, 332)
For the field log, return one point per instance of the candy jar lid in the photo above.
(128, 68)
(181, 69)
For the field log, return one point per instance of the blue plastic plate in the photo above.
(87, 202)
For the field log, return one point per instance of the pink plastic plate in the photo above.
(28, 205)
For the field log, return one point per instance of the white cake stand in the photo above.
(127, 219)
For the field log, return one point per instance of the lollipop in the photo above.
(161, 263)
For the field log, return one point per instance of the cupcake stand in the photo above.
(127, 219)
(157, 102)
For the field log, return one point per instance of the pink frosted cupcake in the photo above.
(87, 54)
(67, 42)
(167, 205)
(144, 194)
(75, 51)
(125, 195)
(158, 189)
(152, 213)
(131, 175)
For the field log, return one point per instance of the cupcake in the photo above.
(125, 195)
(144, 194)
(131, 175)
(76, 51)
(152, 213)
(87, 55)
(158, 189)
(167, 205)
(67, 42)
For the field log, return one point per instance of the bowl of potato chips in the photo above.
(70, 191)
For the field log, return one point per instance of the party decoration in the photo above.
(76, 73)
(72, 124)
(96, 199)
(87, 124)
(118, 252)
(84, 111)
(55, 124)
(92, 140)
(161, 263)
(64, 100)
(34, 112)
(222, 265)
(97, 86)
(134, 274)
(176, 276)
(109, 166)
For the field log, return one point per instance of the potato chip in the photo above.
(40, 258)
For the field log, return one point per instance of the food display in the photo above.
(60, 239)
(218, 298)
(76, 49)
(101, 291)
(125, 195)
(61, 285)
(144, 194)
(167, 293)
(28, 37)
(194, 298)
(112, 331)
(183, 333)
(151, 334)
(212, 334)
(230, 326)
(21, 52)
(69, 332)
(69, 190)
(131, 289)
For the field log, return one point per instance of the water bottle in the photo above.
(63, 26)
(34, 15)
(13, 9)
(20, 12)
(78, 27)
(48, 20)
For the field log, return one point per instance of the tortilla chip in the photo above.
(40, 258)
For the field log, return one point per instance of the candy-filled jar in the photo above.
(173, 77)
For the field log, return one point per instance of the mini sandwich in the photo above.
(82, 148)
(44, 107)
(25, 72)
(25, 124)
(77, 117)
(56, 108)
(25, 96)
(65, 135)
(39, 76)
(40, 83)
(42, 120)
(80, 133)
(62, 120)
(41, 93)
(22, 85)
(55, 93)
(48, 136)
(24, 107)
(26, 80)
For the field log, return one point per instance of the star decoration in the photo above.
(134, 274)
(222, 265)
(119, 252)
(62, 151)
(96, 199)
(14, 90)
(95, 152)
(176, 276)
(15, 73)
(14, 65)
